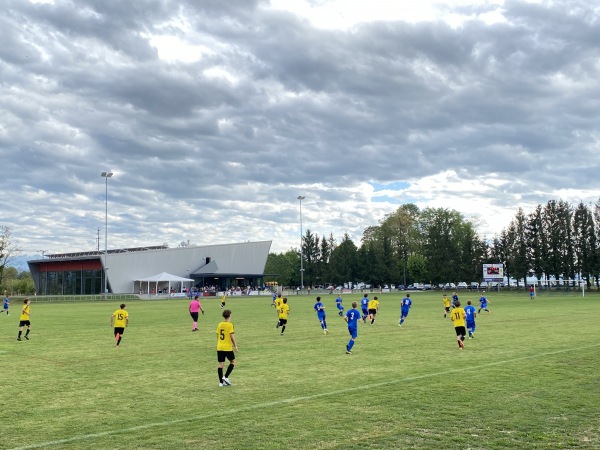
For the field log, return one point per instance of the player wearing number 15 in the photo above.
(458, 317)
(225, 345)
(119, 320)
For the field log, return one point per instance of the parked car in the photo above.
(449, 286)
(461, 285)
(483, 285)
(410, 287)
(427, 287)
(401, 287)
(474, 285)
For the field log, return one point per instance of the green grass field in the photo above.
(528, 380)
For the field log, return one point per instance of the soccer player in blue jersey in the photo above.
(471, 314)
(338, 304)
(5, 305)
(274, 297)
(483, 302)
(320, 309)
(364, 305)
(404, 308)
(454, 298)
(352, 317)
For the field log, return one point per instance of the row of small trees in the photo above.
(438, 245)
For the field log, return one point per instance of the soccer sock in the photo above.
(27, 332)
(401, 321)
(119, 340)
(195, 325)
(282, 329)
(229, 370)
(350, 344)
(324, 324)
(220, 372)
(372, 320)
(20, 332)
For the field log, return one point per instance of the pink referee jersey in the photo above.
(195, 306)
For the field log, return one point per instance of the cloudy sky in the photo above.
(215, 115)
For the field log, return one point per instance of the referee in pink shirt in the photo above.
(195, 306)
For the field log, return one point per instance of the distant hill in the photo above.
(20, 262)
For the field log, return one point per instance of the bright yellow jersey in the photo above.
(224, 332)
(223, 298)
(458, 317)
(283, 310)
(120, 316)
(25, 313)
(446, 302)
(278, 303)
(373, 304)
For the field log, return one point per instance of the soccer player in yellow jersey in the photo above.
(119, 320)
(24, 320)
(278, 303)
(283, 311)
(225, 345)
(446, 301)
(373, 308)
(223, 298)
(459, 317)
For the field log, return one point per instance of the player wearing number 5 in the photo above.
(225, 345)
(119, 320)
(283, 310)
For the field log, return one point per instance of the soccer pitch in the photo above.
(529, 379)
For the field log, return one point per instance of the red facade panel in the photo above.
(60, 266)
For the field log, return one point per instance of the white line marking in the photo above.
(361, 388)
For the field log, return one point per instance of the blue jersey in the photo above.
(6, 303)
(364, 303)
(338, 303)
(470, 312)
(406, 304)
(320, 309)
(483, 301)
(454, 299)
(353, 315)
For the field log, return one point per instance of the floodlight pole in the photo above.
(300, 198)
(106, 176)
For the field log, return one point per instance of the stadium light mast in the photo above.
(300, 198)
(106, 176)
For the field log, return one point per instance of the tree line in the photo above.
(438, 245)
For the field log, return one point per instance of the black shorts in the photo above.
(119, 330)
(447, 308)
(282, 321)
(23, 323)
(461, 331)
(372, 312)
(222, 355)
(194, 316)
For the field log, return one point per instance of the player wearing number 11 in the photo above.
(120, 320)
(458, 317)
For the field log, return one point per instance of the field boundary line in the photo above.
(165, 423)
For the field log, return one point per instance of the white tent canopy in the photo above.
(162, 277)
